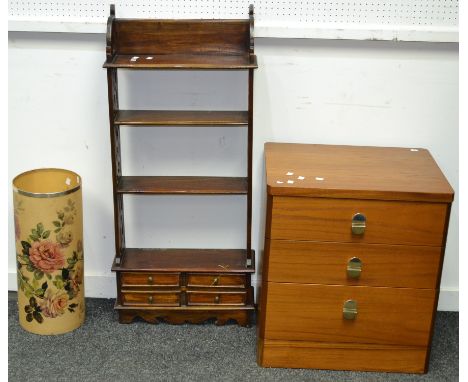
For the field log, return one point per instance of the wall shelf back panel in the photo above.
(406, 20)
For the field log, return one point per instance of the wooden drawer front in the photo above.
(149, 279)
(299, 312)
(216, 298)
(214, 280)
(387, 222)
(163, 298)
(327, 263)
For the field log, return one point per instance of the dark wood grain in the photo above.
(181, 118)
(190, 314)
(185, 260)
(145, 276)
(201, 185)
(196, 37)
(384, 173)
(183, 61)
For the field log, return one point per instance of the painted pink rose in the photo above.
(46, 256)
(54, 305)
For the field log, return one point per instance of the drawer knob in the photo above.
(150, 279)
(358, 224)
(216, 300)
(150, 299)
(354, 268)
(215, 281)
(350, 310)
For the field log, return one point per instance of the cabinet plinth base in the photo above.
(186, 315)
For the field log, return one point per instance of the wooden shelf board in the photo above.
(181, 118)
(182, 61)
(185, 185)
(185, 260)
(210, 308)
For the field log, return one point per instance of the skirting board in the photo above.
(103, 286)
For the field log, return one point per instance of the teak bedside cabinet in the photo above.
(181, 284)
(354, 247)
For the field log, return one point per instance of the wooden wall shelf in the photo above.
(180, 285)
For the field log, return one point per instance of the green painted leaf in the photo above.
(40, 229)
(65, 273)
(71, 261)
(39, 292)
(28, 309)
(46, 234)
(32, 302)
(30, 268)
(38, 274)
(49, 276)
(34, 237)
(73, 305)
(58, 277)
(56, 223)
(38, 317)
(29, 317)
(71, 310)
(25, 245)
(44, 286)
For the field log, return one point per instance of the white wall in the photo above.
(311, 91)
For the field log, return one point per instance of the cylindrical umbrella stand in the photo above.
(49, 249)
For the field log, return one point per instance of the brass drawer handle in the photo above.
(150, 299)
(150, 280)
(350, 310)
(358, 224)
(215, 281)
(216, 300)
(354, 268)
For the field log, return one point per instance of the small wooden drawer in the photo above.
(216, 298)
(386, 222)
(307, 312)
(310, 262)
(149, 279)
(160, 298)
(216, 280)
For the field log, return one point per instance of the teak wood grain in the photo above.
(309, 312)
(180, 118)
(326, 263)
(199, 185)
(360, 172)
(387, 222)
(341, 356)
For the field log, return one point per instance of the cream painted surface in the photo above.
(310, 91)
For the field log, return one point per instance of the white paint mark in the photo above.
(134, 58)
(414, 150)
(279, 182)
(319, 178)
(68, 181)
(149, 57)
(291, 181)
(289, 173)
(300, 177)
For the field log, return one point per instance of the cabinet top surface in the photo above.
(361, 172)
